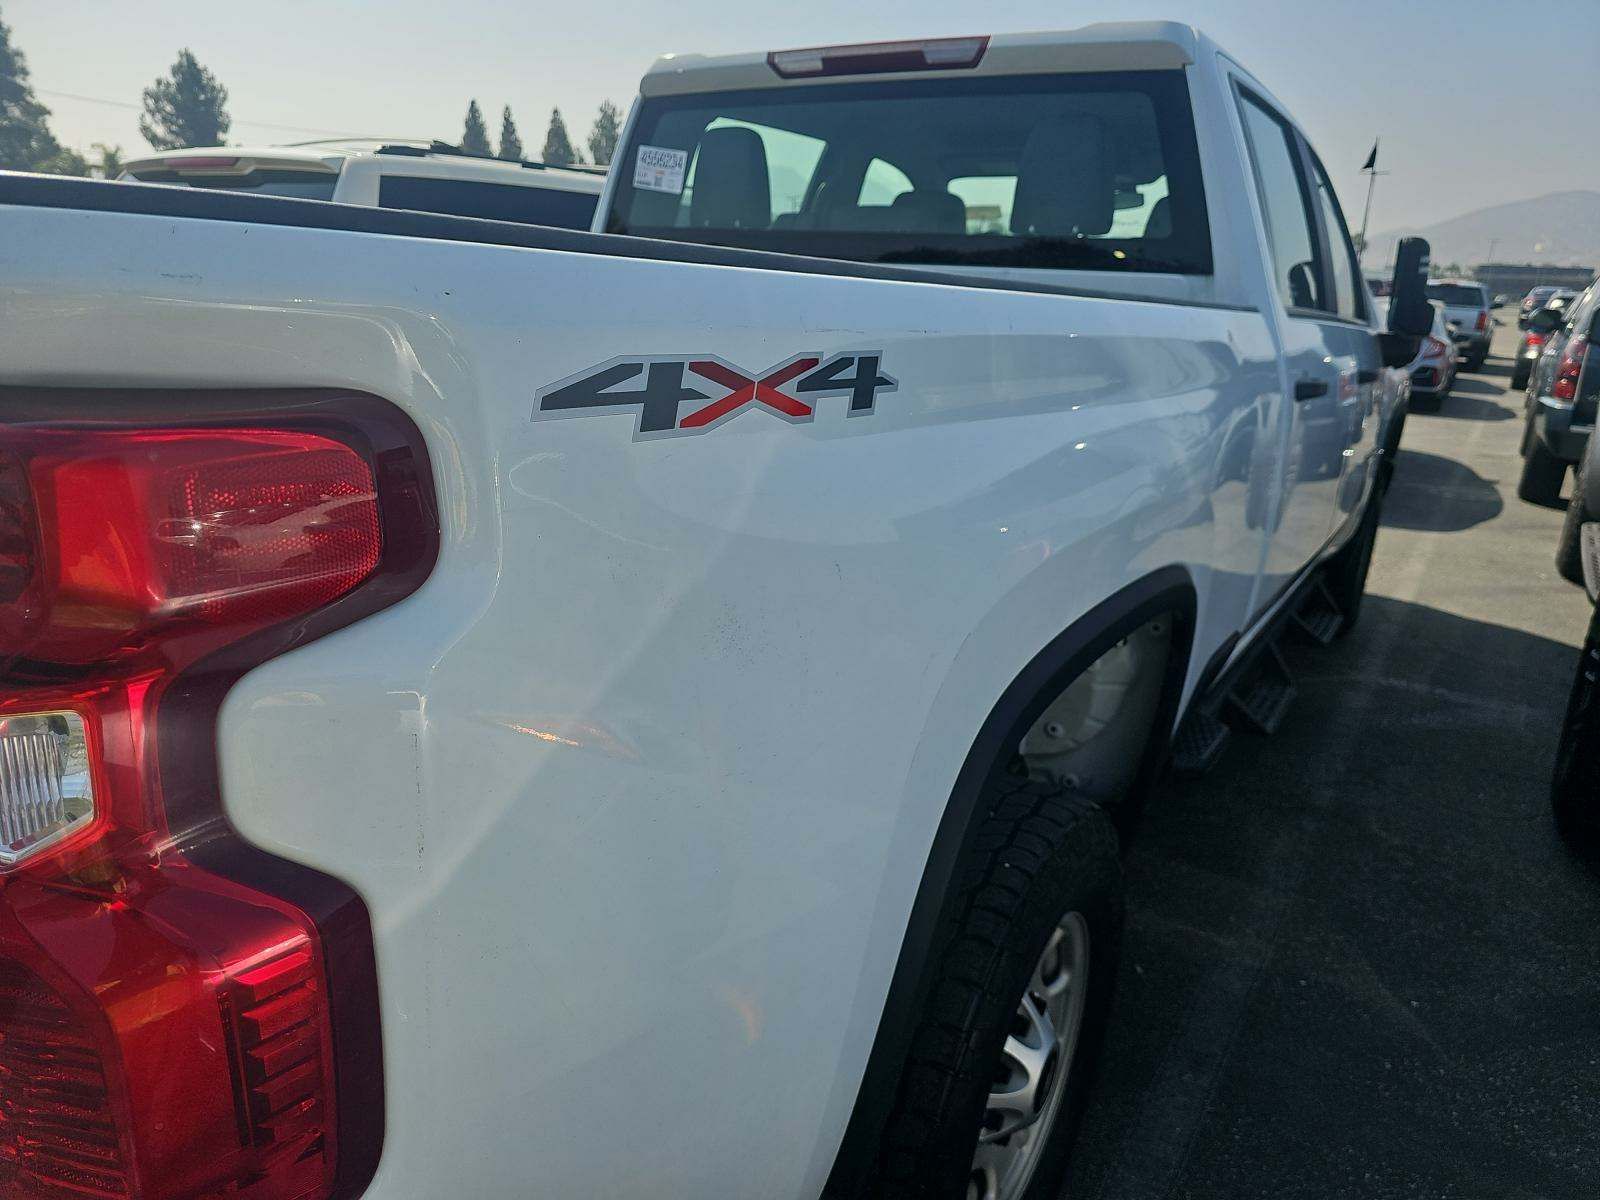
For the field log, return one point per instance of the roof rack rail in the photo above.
(412, 150)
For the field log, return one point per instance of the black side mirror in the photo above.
(1409, 310)
(1410, 314)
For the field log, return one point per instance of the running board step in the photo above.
(1261, 699)
(1200, 742)
(1319, 619)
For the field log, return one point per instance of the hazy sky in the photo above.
(1450, 87)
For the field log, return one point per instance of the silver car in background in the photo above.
(1466, 309)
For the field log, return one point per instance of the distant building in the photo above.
(1514, 279)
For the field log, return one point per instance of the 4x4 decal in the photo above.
(667, 390)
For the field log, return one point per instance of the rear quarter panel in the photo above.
(639, 786)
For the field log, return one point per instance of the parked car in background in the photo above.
(1466, 310)
(641, 716)
(1534, 301)
(1535, 332)
(1575, 787)
(1433, 371)
(1558, 417)
(421, 176)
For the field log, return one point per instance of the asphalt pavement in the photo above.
(1359, 961)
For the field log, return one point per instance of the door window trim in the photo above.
(1245, 94)
(1335, 241)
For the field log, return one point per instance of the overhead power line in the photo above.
(234, 120)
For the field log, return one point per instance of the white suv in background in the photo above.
(1467, 310)
(421, 176)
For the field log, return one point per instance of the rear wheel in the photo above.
(1519, 375)
(1569, 546)
(1575, 790)
(1346, 572)
(1020, 983)
(1542, 475)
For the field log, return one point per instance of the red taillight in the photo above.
(1535, 340)
(870, 58)
(156, 532)
(1570, 368)
(1432, 347)
(181, 1015)
(1483, 321)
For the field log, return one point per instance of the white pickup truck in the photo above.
(496, 711)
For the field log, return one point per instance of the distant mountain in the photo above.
(1562, 228)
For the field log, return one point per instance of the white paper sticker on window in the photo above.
(659, 169)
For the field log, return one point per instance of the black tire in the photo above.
(1519, 375)
(1569, 546)
(1429, 402)
(1345, 576)
(1041, 853)
(1575, 789)
(1542, 475)
(1475, 363)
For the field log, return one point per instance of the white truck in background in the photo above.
(423, 176)
(489, 710)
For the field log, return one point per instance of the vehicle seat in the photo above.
(731, 189)
(1064, 180)
(928, 211)
(1159, 223)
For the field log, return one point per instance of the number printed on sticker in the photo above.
(660, 169)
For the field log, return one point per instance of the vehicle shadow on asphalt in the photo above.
(1438, 494)
(1359, 960)
(1473, 399)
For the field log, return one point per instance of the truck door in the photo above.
(1360, 412)
(1318, 369)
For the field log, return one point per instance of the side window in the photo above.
(882, 183)
(987, 199)
(1346, 296)
(1283, 204)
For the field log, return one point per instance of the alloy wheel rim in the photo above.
(1035, 1064)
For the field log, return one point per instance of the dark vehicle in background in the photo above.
(1535, 331)
(1575, 789)
(1466, 308)
(1559, 414)
(1533, 302)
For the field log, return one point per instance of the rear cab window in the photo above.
(492, 201)
(1096, 171)
(1459, 295)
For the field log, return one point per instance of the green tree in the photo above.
(475, 137)
(603, 137)
(558, 150)
(110, 163)
(510, 143)
(187, 108)
(63, 162)
(25, 137)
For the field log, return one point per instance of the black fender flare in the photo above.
(1169, 590)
